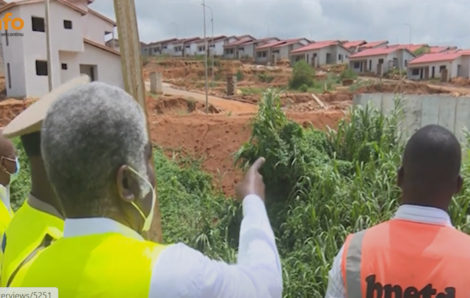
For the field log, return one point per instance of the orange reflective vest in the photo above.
(401, 258)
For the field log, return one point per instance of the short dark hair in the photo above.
(32, 143)
(432, 158)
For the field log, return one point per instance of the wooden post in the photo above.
(129, 44)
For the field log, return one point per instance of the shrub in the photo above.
(265, 78)
(303, 88)
(301, 74)
(240, 75)
(348, 73)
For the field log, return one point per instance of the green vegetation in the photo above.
(302, 74)
(240, 76)
(265, 77)
(348, 73)
(421, 51)
(251, 90)
(321, 186)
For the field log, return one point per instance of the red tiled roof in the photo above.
(437, 57)
(291, 41)
(315, 46)
(278, 44)
(374, 52)
(440, 49)
(373, 44)
(162, 41)
(353, 43)
(239, 42)
(409, 47)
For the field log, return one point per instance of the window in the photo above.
(6, 37)
(188, 46)
(381, 61)
(415, 71)
(370, 64)
(340, 57)
(41, 68)
(356, 65)
(64, 66)
(9, 75)
(38, 24)
(441, 68)
(67, 24)
(406, 63)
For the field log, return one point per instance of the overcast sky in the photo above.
(436, 22)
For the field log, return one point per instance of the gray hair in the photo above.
(88, 133)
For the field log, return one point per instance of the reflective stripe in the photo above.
(353, 266)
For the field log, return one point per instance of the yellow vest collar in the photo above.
(97, 225)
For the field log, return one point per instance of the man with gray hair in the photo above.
(99, 160)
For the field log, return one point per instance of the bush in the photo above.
(303, 88)
(348, 73)
(240, 75)
(265, 78)
(302, 74)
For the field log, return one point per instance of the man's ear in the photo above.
(459, 184)
(127, 186)
(400, 176)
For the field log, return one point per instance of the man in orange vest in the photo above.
(418, 253)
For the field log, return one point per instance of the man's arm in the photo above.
(181, 271)
(335, 278)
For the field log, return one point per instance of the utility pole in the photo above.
(48, 45)
(205, 54)
(131, 63)
(212, 43)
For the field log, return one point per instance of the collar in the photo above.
(97, 225)
(423, 214)
(43, 206)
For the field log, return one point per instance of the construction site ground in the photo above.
(179, 124)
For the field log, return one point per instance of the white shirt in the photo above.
(181, 271)
(421, 214)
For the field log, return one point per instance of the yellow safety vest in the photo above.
(97, 265)
(30, 231)
(5, 213)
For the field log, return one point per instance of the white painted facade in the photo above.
(216, 47)
(371, 64)
(274, 54)
(459, 67)
(334, 54)
(22, 54)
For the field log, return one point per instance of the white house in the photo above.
(216, 45)
(449, 64)
(157, 48)
(78, 36)
(235, 48)
(380, 60)
(274, 51)
(321, 53)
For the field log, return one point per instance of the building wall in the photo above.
(451, 66)
(13, 55)
(231, 55)
(371, 63)
(94, 28)
(319, 57)
(108, 65)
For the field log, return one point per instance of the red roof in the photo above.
(353, 43)
(409, 47)
(239, 42)
(374, 44)
(440, 49)
(316, 46)
(280, 43)
(375, 52)
(437, 57)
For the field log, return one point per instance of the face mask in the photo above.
(14, 176)
(147, 219)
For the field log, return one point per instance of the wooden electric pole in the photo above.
(129, 45)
